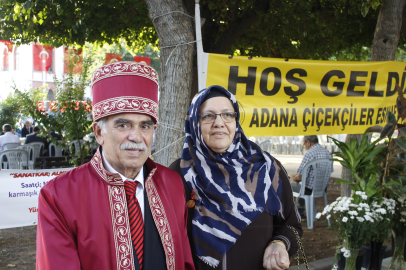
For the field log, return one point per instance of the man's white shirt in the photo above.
(139, 178)
(8, 138)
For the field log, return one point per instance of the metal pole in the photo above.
(199, 47)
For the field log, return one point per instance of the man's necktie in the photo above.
(136, 222)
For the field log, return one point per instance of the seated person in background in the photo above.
(54, 135)
(8, 136)
(27, 129)
(313, 151)
(35, 138)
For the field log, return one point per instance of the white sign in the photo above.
(19, 190)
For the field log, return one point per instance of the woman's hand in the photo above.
(276, 257)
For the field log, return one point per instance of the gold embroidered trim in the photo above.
(125, 104)
(161, 221)
(121, 228)
(124, 68)
(110, 178)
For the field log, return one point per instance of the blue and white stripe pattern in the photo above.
(231, 189)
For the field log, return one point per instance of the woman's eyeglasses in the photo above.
(209, 118)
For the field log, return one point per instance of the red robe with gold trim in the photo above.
(83, 221)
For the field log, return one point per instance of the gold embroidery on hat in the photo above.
(125, 105)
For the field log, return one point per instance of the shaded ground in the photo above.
(17, 245)
(320, 242)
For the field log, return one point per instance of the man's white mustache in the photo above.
(130, 145)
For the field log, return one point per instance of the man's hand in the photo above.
(276, 257)
(296, 178)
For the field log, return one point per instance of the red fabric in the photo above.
(42, 56)
(141, 59)
(136, 221)
(112, 58)
(73, 55)
(8, 43)
(4, 63)
(75, 219)
(124, 86)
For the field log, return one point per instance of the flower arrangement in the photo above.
(384, 211)
(359, 219)
(354, 221)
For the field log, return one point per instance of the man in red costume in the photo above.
(121, 210)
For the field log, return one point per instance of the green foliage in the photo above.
(96, 52)
(309, 29)
(9, 112)
(28, 100)
(60, 22)
(69, 114)
(288, 29)
(394, 164)
(362, 161)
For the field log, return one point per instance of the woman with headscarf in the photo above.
(239, 197)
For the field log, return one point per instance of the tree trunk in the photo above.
(174, 27)
(387, 31)
(384, 45)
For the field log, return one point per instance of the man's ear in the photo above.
(98, 134)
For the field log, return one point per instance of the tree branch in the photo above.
(237, 27)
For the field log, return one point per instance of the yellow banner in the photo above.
(280, 97)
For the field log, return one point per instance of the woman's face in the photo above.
(218, 135)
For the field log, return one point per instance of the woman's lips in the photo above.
(219, 134)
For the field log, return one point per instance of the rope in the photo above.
(168, 146)
(187, 43)
(169, 127)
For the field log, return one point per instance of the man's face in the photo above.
(127, 141)
(307, 144)
(27, 124)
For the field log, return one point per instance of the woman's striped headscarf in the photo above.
(231, 189)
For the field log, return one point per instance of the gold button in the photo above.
(191, 203)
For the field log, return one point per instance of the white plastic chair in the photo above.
(57, 150)
(31, 159)
(15, 159)
(38, 148)
(320, 170)
(266, 146)
(76, 144)
(8, 146)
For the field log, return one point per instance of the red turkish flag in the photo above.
(5, 59)
(112, 57)
(42, 56)
(141, 59)
(8, 43)
(73, 55)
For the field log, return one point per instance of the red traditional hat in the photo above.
(125, 87)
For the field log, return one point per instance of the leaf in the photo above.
(388, 129)
(341, 181)
(364, 10)
(401, 141)
(372, 129)
(373, 153)
(402, 130)
(355, 187)
(391, 183)
(392, 118)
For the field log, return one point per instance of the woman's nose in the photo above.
(218, 121)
